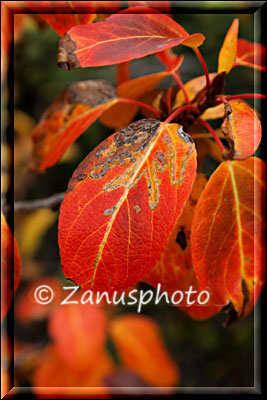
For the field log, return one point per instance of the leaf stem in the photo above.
(246, 96)
(178, 111)
(181, 85)
(141, 104)
(204, 66)
(211, 130)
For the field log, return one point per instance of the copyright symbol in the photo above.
(43, 294)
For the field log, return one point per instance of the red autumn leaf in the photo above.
(63, 15)
(123, 72)
(170, 60)
(72, 112)
(174, 270)
(142, 350)
(242, 129)
(227, 235)
(84, 338)
(252, 55)
(124, 199)
(120, 115)
(52, 371)
(163, 6)
(9, 257)
(120, 38)
(227, 53)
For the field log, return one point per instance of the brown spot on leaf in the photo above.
(137, 208)
(181, 239)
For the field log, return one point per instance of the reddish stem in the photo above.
(211, 130)
(180, 83)
(141, 104)
(178, 111)
(204, 65)
(246, 96)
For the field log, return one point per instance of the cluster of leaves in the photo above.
(138, 208)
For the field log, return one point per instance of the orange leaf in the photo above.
(213, 112)
(141, 349)
(121, 37)
(52, 371)
(121, 114)
(174, 271)
(227, 53)
(136, 181)
(242, 129)
(84, 336)
(226, 239)
(63, 15)
(72, 112)
(193, 87)
(252, 55)
(9, 258)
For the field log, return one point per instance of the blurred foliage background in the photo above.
(208, 354)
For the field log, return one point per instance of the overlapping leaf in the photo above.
(10, 259)
(123, 200)
(174, 271)
(63, 15)
(120, 38)
(227, 53)
(73, 111)
(252, 55)
(242, 129)
(227, 235)
(142, 350)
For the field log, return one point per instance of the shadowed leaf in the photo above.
(73, 111)
(227, 235)
(124, 198)
(252, 55)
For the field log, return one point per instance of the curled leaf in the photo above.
(134, 182)
(9, 258)
(252, 55)
(227, 53)
(242, 129)
(227, 240)
(73, 111)
(142, 350)
(120, 38)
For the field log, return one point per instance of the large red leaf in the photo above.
(73, 111)
(242, 129)
(163, 6)
(174, 270)
(252, 55)
(121, 37)
(85, 334)
(227, 235)
(122, 203)
(63, 15)
(9, 258)
(228, 51)
(142, 350)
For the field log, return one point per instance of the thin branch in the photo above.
(211, 130)
(48, 202)
(179, 110)
(204, 66)
(141, 104)
(181, 85)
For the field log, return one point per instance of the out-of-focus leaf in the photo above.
(174, 271)
(205, 147)
(123, 72)
(137, 180)
(227, 240)
(63, 15)
(142, 350)
(170, 60)
(252, 55)
(33, 229)
(163, 6)
(242, 129)
(227, 53)
(120, 38)
(73, 111)
(10, 258)
(83, 339)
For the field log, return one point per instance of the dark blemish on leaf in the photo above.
(81, 177)
(181, 239)
(245, 292)
(110, 211)
(184, 136)
(231, 313)
(66, 59)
